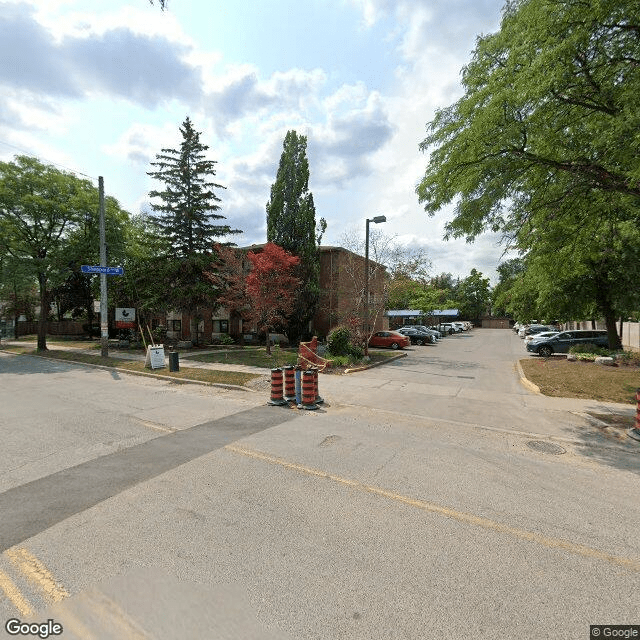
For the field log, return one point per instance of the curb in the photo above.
(219, 385)
(376, 364)
(526, 382)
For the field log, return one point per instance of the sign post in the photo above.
(104, 320)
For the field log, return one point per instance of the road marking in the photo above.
(13, 593)
(37, 573)
(156, 426)
(468, 518)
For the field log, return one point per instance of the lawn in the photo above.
(565, 379)
(253, 357)
(185, 373)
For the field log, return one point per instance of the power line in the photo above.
(55, 164)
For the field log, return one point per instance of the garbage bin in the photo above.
(173, 361)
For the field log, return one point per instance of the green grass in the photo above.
(565, 379)
(185, 373)
(253, 357)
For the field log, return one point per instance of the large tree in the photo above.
(291, 224)
(473, 296)
(40, 208)
(553, 97)
(187, 206)
(186, 213)
(542, 143)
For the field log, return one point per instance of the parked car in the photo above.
(391, 339)
(528, 329)
(421, 327)
(416, 336)
(460, 325)
(563, 341)
(447, 327)
(539, 336)
(441, 331)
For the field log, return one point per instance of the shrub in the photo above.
(339, 341)
(356, 352)
(223, 339)
(589, 348)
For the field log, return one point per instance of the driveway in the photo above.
(409, 506)
(472, 379)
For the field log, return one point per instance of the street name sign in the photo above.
(110, 271)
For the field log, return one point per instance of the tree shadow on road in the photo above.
(604, 440)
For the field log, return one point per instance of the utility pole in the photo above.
(377, 220)
(104, 320)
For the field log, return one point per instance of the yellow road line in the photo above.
(37, 573)
(468, 518)
(13, 593)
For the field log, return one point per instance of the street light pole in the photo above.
(377, 220)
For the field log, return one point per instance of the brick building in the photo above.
(341, 296)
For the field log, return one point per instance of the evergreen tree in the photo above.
(291, 224)
(186, 222)
(188, 203)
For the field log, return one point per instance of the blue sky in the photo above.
(100, 87)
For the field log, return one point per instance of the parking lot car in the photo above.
(447, 327)
(420, 327)
(563, 341)
(391, 339)
(540, 336)
(528, 329)
(417, 337)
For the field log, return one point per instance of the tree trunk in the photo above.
(44, 313)
(612, 331)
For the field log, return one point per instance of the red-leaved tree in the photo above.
(271, 287)
(227, 275)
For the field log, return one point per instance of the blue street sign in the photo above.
(110, 271)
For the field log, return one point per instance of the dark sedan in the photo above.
(417, 337)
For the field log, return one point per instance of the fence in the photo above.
(63, 328)
(630, 331)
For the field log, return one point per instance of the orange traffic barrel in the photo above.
(289, 383)
(276, 388)
(308, 390)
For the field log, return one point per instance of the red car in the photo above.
(391, 339)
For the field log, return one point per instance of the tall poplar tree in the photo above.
(291, 224)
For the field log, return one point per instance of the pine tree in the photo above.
(189, 204)
(291, 224)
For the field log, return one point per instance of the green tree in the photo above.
(552, 98)
(473, 296)
(18, 290)
(542, 144)
(508, 273)
(188, 204)
(40, 207)
(291, 224)
(186, 218)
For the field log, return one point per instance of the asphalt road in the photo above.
(433, 497)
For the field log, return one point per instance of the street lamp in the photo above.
(377, 220)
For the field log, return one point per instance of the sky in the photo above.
(100, 87)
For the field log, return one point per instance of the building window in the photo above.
(176, 325)
(220, 326)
